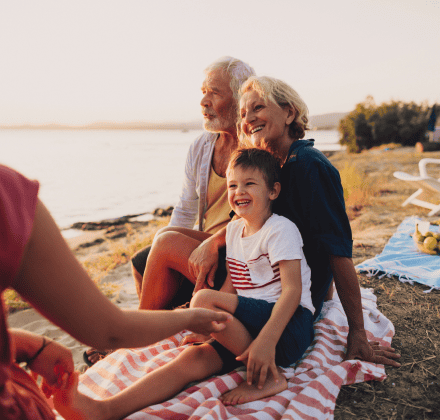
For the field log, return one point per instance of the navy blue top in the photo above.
(312, 198)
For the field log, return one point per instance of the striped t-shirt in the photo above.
(253, 260)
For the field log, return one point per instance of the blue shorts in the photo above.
(253, 314)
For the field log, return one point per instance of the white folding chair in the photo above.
(428, 191)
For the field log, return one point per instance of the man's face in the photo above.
(218, 105)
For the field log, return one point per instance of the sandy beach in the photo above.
(372, 224)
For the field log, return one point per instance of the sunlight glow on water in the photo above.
(90, 175)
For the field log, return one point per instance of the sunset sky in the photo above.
(82, 61)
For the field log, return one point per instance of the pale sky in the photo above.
(82, 61)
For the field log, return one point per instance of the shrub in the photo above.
(369, 125)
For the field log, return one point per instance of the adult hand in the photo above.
(203, 264)
(194, 338)
(358, 347)
(260, 360)
(204, 321)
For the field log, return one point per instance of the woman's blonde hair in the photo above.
(283, 95)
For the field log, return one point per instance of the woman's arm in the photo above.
(53, 281)
(349, 293)
(261, 353)
(41, 354)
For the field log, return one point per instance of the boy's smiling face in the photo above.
(248, 193)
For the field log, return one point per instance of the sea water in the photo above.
(91, 175)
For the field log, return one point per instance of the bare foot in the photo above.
(245, 393)
(73, 405)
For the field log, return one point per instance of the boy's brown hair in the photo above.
(252, 157)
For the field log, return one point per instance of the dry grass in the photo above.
(410, 392)
(357, 190)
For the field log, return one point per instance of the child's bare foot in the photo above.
(245, 393)
(73, 405)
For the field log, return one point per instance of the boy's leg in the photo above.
(193, 364)
(245, 393)
(236, 338)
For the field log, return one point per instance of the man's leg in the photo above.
(140, 260)
(138, 263)
(167, 261)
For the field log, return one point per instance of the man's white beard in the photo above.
(213, 126)
(217, 124)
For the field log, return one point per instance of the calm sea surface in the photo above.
(91, 175)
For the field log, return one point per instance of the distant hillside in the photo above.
(110, 125)
(318, 122)
(326, 121)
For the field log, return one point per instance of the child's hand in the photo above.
(260, 357)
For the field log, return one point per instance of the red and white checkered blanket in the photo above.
(313, 382)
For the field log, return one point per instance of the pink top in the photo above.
(20, 397)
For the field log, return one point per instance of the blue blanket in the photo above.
(401, 258)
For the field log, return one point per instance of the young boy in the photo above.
(267, 290)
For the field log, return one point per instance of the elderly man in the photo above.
(203, 206)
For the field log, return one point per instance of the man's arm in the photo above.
(186, 210)
(349, 293)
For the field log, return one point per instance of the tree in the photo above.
(369, 125)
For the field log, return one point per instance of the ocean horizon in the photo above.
(93, 175)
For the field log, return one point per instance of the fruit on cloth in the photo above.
(430, 243)
(425, 250)
(418, 237)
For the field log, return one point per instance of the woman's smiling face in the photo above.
(262, 121)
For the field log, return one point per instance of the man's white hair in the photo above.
(237, 70)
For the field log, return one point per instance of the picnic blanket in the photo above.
(401, 258)
(314, 381)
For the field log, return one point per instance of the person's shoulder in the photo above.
(305, 151)
(277, 223)
(202, 139)
(14, 182)
(281, 230)
(304, 157)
